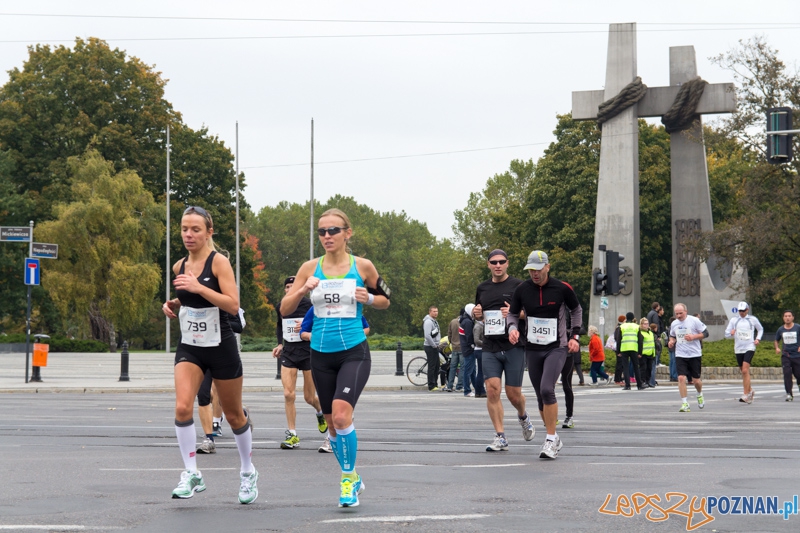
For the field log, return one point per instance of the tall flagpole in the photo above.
(238, 293)
(167, 269)
(311, 203)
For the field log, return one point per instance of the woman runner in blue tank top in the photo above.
(340, 285)
(205, 286)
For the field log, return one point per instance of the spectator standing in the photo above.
(629, 348)
(456, 358)
(467, 340)
(432, 334)
(477, 335)
(597, 357)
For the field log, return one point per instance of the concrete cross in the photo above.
(617, 223)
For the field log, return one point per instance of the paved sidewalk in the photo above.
(152, 372)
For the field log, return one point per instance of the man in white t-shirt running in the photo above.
(685, 335)
(747, 332)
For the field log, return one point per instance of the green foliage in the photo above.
(389, 342)
(61, 344)
(64, 100)
(107, 235)
(764, 200)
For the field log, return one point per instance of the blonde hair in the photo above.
(593, 330)
(642, 321)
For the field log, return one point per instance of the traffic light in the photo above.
(598, 281)
(613, 272)
(779, 147)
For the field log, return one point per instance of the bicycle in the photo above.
(417, 370)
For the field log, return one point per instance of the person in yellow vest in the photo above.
(648, 358)
(629, 349)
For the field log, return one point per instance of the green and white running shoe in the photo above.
(568, 423)
(684, 407)
(191, 482)
(292, 441)
(322, 424)
(248, 490)
(700, 401)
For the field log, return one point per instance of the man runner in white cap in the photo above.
(747, 332)
(546, 302)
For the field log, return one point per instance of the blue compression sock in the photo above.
(347, 441)
(335, 447)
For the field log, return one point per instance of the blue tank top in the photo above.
(338, 334)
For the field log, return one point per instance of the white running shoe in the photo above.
(326, 447)
(499, 444)
(550, 448)
(248, 490)
(528, 431)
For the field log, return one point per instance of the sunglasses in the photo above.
(196, 210)
(499, 262)
(333, 230)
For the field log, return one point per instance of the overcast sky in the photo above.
(434, 115)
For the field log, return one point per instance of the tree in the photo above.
(64, 100)
(759, 234)
(107, 236)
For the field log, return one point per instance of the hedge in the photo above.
(61, 344)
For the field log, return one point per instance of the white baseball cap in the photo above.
(743, 306)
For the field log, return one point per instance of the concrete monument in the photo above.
(617, 224)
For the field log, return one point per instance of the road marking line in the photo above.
(408, 518)
(51, 527)
(654, 464)
(156, 469)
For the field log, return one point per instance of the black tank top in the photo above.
(207, 279)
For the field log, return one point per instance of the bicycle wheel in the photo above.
(417, 371)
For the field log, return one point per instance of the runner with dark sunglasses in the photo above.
(340, 285)
(500, 356)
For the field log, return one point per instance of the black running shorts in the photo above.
(298, 357)
(689, 366)
(340, 375)
(223, 360)
(746, 357)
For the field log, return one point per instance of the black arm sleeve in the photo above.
(279, 324)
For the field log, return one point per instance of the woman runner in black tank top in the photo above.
(207, 342)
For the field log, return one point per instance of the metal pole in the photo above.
(28, 319)
(311, 203)
(123, 363)
(167, 269)
(399, 360)
(28, 336)
(238, 293)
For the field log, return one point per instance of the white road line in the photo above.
(156, 469)
(653, 464)
(57, 527)
(490, 466)
(409, 518)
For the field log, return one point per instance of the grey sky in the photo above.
(385, 96)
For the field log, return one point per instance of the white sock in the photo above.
(319, 413)
(293, 432)
(551, 437)
(217, 420)
(685, 400)
(244, 443)
(187, 442)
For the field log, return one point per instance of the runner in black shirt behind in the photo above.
(499, 355)
(545, 302)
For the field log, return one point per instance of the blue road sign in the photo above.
(32, 271)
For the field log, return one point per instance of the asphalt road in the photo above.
(108, 462)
